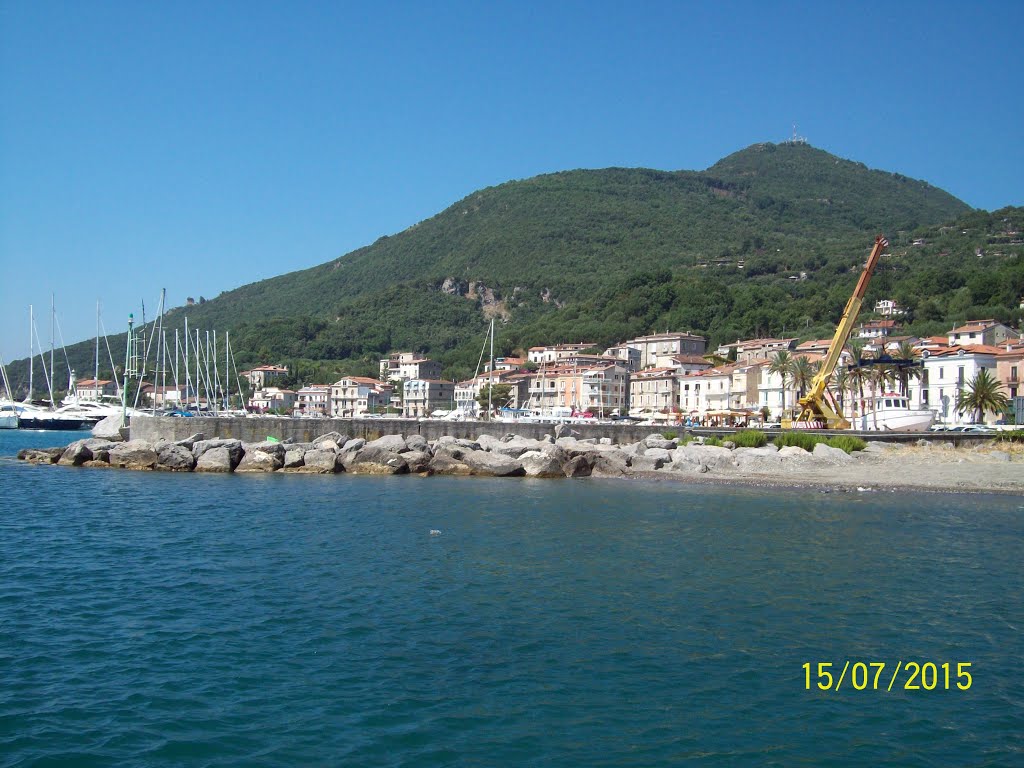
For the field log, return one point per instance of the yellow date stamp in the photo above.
(876, 676)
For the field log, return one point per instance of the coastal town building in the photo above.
(624, 355)
(657, 349)
(654, 391)
(947, 372)
(505, 364)
(95, 389)
(421, 397)
(749, 350)
(600, 389)
(982, 332)
(167, 396)
(272, 399)
(467, 392)
(358, 396)
(556, 353)
(403, 366)
(725, 394)
(876, 329)
(1010, 369)
(688, 363)
(887, 308)
(263, 376)
(312, 401)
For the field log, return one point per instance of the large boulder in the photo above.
(175, 458)
(793, 452)
(763, 459)
(538, 464)
(234, 448)
(658, 441)
(218, 459)
(272, 448)
(353, 445)
(135, 454)
(387, 443)
(831, 455)
(261, 461)
(517, 446)
(109, 428)
(417, 442)
(607, 463)
(443, 462)
(703, 458)
(331, 437)
(577, 466)
(491, 464)
(294, 457)
(374, 460)
(76, 454)
(321, 461)
(644, 463)
(418, 461)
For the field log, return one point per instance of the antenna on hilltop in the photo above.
(796, 138)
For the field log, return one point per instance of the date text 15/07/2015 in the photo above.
(872, 675)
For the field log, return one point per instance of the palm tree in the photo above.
(840, 383)
(906, 351)
(782, 364)
(983, 394)
(803, 374)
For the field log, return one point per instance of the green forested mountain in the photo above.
(768, 239)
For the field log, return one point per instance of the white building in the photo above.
(358, 395)
(658, 349)
(947, 372)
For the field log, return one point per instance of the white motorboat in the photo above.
(892, 413)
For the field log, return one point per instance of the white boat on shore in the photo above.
(892, 413)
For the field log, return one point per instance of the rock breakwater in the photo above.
(554, 455)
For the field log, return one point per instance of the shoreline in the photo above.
(925, 467)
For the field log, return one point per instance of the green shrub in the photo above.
(1013, 436)
(716, 441)
(807, 441)
(685, 438)
(847, 443)
(799, 439)
(670, 435)
(750, 438)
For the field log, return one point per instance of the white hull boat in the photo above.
(892, 413)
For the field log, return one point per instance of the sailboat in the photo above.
(8, 413)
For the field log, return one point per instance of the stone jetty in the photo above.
(561, 454)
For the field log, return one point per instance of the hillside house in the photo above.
(272, 399)
(95, 389)
(982, 332)
(876, 329)
(557, 353)
(749, 350)
(263, 376)
(658, 349)
(403, 366)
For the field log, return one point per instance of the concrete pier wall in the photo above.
(256, 429)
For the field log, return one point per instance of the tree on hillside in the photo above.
(984, 395)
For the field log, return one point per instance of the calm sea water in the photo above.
(152, 619)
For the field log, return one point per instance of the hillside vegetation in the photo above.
(602, 255)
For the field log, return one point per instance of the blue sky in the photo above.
(201, 146)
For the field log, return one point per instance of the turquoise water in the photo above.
(151, 619)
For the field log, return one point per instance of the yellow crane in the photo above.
(818, 408)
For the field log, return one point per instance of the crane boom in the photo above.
(815, 406)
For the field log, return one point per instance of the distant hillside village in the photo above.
(672, 378)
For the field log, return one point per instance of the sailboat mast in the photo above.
(490, 384)
(227, 371)
(96, 367)
(31, 353)
(52, 371)
(127, 368)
